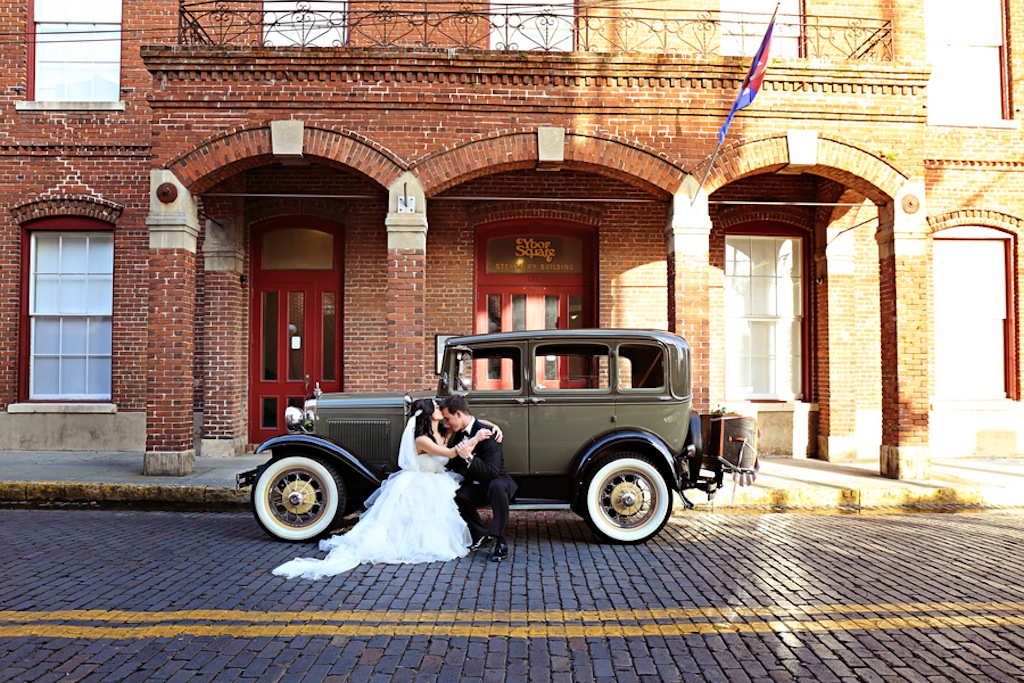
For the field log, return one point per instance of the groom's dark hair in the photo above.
(456, 403)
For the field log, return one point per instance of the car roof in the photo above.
(577, 335)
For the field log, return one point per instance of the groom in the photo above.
(484, 479)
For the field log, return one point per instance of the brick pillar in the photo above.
(838, 352)
(225, 336)
(687, 238)
(406, 285)
(173, 233)
(905, 303)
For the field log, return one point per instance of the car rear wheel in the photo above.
(298, 498)
(627, 499)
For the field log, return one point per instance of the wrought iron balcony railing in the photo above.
(542, 25)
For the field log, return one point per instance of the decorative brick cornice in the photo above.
(973, 164)
(982, 217)
(529, 69)
(68, 205)
(51, 150)
(482, 213)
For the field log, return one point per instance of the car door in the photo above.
(644, 398)
(491, 376)
(570, 401)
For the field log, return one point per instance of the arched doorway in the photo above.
(534, 275)
(295, 321)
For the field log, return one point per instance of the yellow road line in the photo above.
(508, 617)
(554, 630)
(513, 624)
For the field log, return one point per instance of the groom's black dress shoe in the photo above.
(481, 542)
(500, 551)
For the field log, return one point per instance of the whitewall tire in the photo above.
(627, 499)
(298, 498)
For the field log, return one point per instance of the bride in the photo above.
(412, 517)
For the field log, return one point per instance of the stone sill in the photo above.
(995, 125)
(69, 106)
(63, 408)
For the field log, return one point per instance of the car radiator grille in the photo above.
(367, 439)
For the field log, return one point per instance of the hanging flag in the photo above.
(752, 83)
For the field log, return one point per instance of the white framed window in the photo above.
(547, 25)
(308, 24)
(77, 50)
(70, 315)
(763, 317)
(744, 22)
(971, 313)
(965, 49)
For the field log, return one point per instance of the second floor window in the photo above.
(520, 25)
(77, 50)
(744, 23)
(288, 23)
(965, 49)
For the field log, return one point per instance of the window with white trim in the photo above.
(763, 317)
(77, 50)
(520, 25)
(70, 315)
(744, 23)
(301, 23)
(965, 49)
(971, 312)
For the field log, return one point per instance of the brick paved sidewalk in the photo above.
(783, 484)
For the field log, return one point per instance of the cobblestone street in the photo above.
(91, 595)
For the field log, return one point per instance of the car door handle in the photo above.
(521, 401)
(535, 400)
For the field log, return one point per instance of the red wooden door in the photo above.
(295, 321)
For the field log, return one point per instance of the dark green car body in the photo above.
(597, 420)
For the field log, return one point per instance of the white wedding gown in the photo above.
(413, 519)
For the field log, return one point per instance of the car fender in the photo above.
(628, 439)
(358, 475)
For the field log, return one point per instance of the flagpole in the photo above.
(706, 174)
(721, 137)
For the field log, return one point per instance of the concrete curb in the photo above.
(866, 499)
(746, 499)
(149, 496)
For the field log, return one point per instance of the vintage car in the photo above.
(598, 421)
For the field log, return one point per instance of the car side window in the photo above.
(490, 369)
(641, 366)
(560, 367)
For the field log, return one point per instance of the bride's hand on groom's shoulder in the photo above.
(496, 433)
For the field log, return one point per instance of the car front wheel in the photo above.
(627, 499)
(298, 498)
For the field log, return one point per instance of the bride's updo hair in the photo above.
(424, 421)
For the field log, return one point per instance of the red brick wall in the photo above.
(636, 125)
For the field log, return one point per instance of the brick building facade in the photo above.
(233, 205)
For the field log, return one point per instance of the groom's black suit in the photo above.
(484, 482)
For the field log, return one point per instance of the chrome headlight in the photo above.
(293, 418)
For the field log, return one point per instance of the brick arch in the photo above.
(224, 155)
(620, 159)
(799, 217)
(68, 205)
(260, 210)
(875, 178)
(989, 219)
(504, 211)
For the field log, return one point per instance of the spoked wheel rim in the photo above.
(297, 497)
(627, 498)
